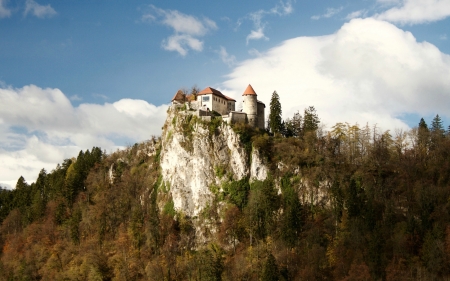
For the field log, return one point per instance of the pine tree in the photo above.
(423, 124)
(293, 127)
(310, 120)
(297, 124)
(423, 133)
(436, 125)
(270, 271)
(437, 132)
(275, 121)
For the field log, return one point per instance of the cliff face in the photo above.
(195, 156)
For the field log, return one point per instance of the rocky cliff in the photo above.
(197, 155)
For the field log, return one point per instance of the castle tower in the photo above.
(250, 106)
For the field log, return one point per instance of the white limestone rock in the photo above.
(189, 164)
(258, 170)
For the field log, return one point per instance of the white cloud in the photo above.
(51, 129)
(282, 9)
(254, 52)
(99, 96)
(443, 37)
(38, 10)
(415, 11)
(181, 43)
(256, 35)
(76, 98)
(187, 29)
(330, 12)
(4, 12)
(226, 58)
(356, 14)
(368, 71)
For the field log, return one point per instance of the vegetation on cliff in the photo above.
(350, 204)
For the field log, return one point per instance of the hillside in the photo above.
(210, 201)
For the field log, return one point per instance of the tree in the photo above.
(423, 133)
(291, 219)
(275, 121)
(270, 271)
(293, 127)
(261, 208)
(231, 228)
(437, 132)
(436, 125)
(310, 120)
(288, 130)
(296, 122)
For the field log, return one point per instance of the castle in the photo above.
(210, 100)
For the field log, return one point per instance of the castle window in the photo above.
(205, 99)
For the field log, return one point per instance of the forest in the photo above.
(351, 203)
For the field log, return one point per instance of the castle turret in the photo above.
(250, 106)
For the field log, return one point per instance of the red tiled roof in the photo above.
(249, 91)
(179, 96)
(209, 90)
(228, 98)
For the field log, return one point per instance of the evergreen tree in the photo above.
(275, 121)
(288, 128)
(291, 219)
(270, 271)
(297, 124)
(22, 197)
(423, 133)
(436, 125)
(423, 124)
(310, 120)
(261, 208)
(293, 127)
(437, 132)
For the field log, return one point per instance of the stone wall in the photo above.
(261, 115)
(235, 117)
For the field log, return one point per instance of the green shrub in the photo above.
(220, 171)
(237, 192)
(214, 124)
(169, 209)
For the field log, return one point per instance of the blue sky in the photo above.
(74, 74)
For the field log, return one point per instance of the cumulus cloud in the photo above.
(257, 33)
(40, 11)
(414, 11)
(329, 13)
(368, 71)
(187, 29)
(226, 58)
(4, 12)
(40, 127)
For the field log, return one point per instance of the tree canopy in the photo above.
(275, 119)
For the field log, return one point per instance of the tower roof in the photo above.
(179, 96)
(249, 91)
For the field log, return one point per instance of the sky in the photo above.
(76, 74)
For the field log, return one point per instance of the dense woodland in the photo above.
(353, 203)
